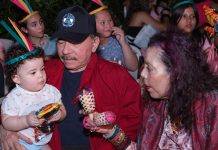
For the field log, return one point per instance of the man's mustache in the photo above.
(64, 57)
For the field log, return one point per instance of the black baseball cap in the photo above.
(74, 24)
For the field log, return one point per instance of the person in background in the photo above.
(141, 24)
(113, 45)
(78, 67)
(161, 10)
(185, 18)
(5, 44)
(139, 15)
(32, 24)
(182, 110)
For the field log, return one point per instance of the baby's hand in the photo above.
(32, 120)
(56, 116)
(119, 34)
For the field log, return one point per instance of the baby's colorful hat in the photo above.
(97, 6)
(21, 39)
(182, 2)
(25, 6)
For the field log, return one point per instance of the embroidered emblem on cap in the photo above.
(68, 20)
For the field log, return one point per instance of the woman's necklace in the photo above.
(173, 127)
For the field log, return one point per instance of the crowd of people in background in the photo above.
(156, 71)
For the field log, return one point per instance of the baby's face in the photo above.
(31, 75)
(104, 23)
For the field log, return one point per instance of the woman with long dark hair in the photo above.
(182, 110)
(185, 18)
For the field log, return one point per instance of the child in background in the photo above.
(32, 24)
(26, 70)
(113, 46)
(185, 17)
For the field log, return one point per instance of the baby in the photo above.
(25, 70)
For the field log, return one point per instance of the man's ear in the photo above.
(95, 43)
(24, 30)
(16, 79)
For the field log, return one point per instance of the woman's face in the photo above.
(188, 20)
(35, 26)
(154, 74)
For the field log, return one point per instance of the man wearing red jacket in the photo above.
(78, 67)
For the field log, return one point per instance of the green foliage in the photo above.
(48, 10)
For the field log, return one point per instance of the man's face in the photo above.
(76, 56)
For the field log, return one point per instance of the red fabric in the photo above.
(204, 129)
(114, 90)
(54, 70)
(202, 18)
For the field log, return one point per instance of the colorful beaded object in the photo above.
(105, 120)
(87, 100)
